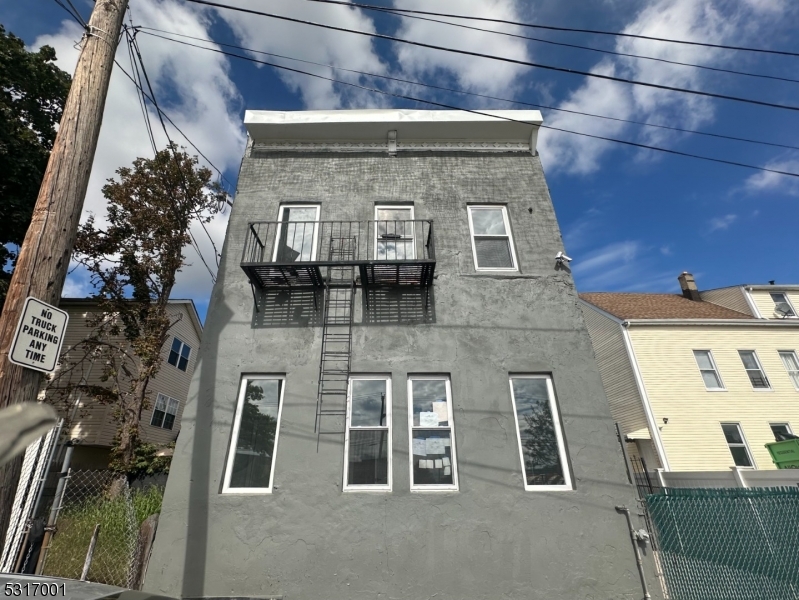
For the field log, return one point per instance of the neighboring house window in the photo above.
(367, 444)
(433, 465)
(492, 243)
(297, 231)
(737, 444)
(253, 445)
(791, 365)
(753, 369)
(394, 233)
(179, 354)
(541, 446)
(779, 429)
(165, 412)
(782, 307)
(708, 369)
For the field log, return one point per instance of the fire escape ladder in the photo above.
(336, 357)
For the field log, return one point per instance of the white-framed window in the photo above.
(367, 441)
(432, 433)
(394, 234)
(492, 242)
(179, 354)
(791, 363)
(253, 443)
(541, 446)
(165, 412)
(782, 306)
(736, 442)
(757, 376)
(708, 369)
(779, 429)
(297, 233)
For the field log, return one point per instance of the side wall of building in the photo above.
(490, 539)
(693, 438)
(765, 303)
(729, 297)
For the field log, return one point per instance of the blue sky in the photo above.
(631, 219)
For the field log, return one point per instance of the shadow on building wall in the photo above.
(395, 306)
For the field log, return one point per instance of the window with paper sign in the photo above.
(432, 452)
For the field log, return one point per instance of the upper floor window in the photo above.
(708, 369)
(541, 445)
(753, 369)
(433, 465)
(297, 232)
(179, 354)
(791, 365)
(253, 445)
(367, 443)
(781, 429)
(492, 242)
(737, 444)
(782, 306)
(165, 412)
(394, 235)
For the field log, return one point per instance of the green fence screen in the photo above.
(728, 544)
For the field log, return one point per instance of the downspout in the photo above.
(634, 539)
(650, 416)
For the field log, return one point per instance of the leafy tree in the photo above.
(133, 261)
(542, 457)
(33, 92)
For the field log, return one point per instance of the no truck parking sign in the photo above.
(39, 337)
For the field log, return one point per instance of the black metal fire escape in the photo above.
(381, 253)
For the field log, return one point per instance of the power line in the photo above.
(140, 97)
(147, 30)
(72, 12)
(477, 112)
(577, 46)
(501, 58)
(405, 11)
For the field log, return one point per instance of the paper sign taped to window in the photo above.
(440, 408)
(439, 464)
(446, 461)
(447, 442)
(428, 419)
(447, 470)
(435, 446)
(419, 447)
(423, 463)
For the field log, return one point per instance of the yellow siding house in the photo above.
(703, 380)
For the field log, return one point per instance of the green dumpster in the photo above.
(785, 454)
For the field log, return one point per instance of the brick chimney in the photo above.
(688, 286)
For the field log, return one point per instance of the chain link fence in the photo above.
(728, 544)
(103, 498)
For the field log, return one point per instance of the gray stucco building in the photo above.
(395, 396)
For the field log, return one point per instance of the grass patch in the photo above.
(119, 527)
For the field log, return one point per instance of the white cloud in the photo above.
(715, 21)
(313, 44)
(722, 223)
(192, 87)
(473, 74)
(773, 182)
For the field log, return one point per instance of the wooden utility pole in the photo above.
(45, 254)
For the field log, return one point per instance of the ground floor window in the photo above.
(367, 444)
(432, 443)
(256, 424)
(541, 444)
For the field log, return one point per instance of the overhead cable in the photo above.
(500, 58)
(477, 112)
(405, 11)
(146, 30)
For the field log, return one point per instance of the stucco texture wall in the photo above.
(491, 539)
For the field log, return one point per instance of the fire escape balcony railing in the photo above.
(300, 253)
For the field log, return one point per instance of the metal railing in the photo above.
(338, 242)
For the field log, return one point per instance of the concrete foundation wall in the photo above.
(491, 539)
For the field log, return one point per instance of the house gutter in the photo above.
(787, 323)
(650, 416)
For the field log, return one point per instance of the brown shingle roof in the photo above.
(658, 306)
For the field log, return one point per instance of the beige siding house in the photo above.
(93, 423)
(702, 381)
